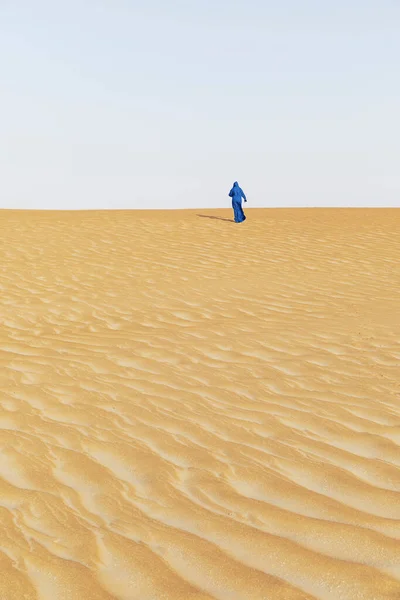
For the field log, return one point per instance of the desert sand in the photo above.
(193, 409)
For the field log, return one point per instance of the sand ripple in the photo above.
(191, 409)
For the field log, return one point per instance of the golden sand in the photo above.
(194, 409)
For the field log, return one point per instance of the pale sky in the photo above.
(156, 104)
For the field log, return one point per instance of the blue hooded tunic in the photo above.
(237, 194)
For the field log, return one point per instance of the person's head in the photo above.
(235, 184)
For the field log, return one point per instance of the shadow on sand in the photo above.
(212, 217)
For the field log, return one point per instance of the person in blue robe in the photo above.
(237, 194)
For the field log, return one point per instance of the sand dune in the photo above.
(193, 409)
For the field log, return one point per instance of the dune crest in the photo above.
(195, 409)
